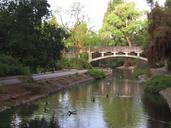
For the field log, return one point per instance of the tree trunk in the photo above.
(129, 41)
(127, 61)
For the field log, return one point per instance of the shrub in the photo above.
(97, 74)
(76, 63)
(157, 83)
(141, 71)
(4, 59)
(10, 66)
(84, 56)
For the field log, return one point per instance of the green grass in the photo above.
(141, 71)
(96, 73)
(157, 83)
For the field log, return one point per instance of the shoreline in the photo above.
(167, 96)
(25, 93)
(166, 93)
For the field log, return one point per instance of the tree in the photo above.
(93, 39)
(111, 6)
(77, 38)
(77, 14)
(151, 3)
(27, 36)
(121, 24)
(168, 4)
(50, 46)
(78, 31)
(160, 34)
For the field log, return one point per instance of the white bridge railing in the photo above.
(108, 52)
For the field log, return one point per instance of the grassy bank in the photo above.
(96, 73)
(157, 83)
(141, 71)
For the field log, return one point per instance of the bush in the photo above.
(97, 74)
(10, 66)
(84, 56)
(141, 71)
(4, 59)
(157, 83)
(76, 63)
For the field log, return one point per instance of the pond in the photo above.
(115, 102)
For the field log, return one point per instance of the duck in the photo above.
(46, 103)
(72, 112)
(107, 96)
(92, 99)
(46, 109)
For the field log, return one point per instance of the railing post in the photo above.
(102, 54)
(138, 54)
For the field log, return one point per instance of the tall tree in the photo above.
(78, 36)
(151, 3)
(160, 34)
(121, 24)
(112, 4)
(25, 34)
(78, 29)
(168, 4)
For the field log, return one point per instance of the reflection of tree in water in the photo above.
(27, 110)
(40, 123)
(122, 74)
(121, 113)
(158, 111)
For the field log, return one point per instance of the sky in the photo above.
(94, 9)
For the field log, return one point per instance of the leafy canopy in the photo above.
(121, 24)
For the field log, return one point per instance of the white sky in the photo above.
(95, 9)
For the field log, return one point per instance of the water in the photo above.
(116, 102)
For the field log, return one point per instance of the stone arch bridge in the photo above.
(114, 51)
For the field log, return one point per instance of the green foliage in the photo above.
(121, 24)
(157, 83)
(77, 38)
(168, 4)
(26, 33)
(93, 39)
(112, 4)
(84, 56)
(74, 63)
(159, 32)
(10, 66)
(141, 71)
(96, 73)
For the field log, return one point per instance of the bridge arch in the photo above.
(117, 56)
(116, 51)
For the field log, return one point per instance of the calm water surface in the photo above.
(116, 102)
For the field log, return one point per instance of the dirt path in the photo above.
(18, 79)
